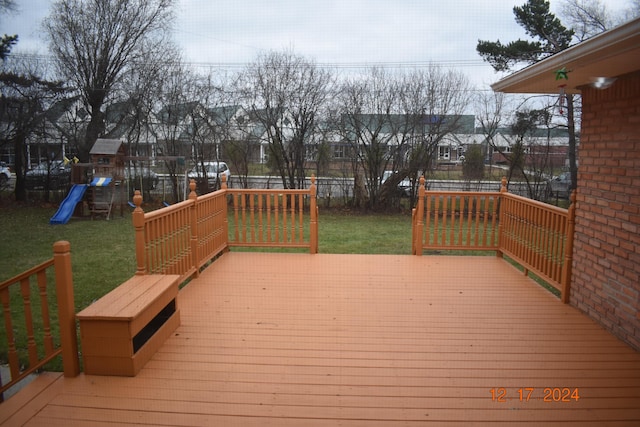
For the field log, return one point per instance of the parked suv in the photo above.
(5, 175)
(58, 173)
(214, 171)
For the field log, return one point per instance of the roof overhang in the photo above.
(608, 55)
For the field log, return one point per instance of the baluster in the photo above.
(12, 355)
(235, 217)
(269, 224)
(28, 317)
(260, 213)
(557, 247)
(157, 246)
(470, 224)
(44, 306)
(493, 213)
(170, 227)
(463, 200)
(547, 228)
(445, 215)
(436, 218)
(276, 209)
(292, 200)
(252, 216)
(244, 218)
(300, 214)
(285, 237)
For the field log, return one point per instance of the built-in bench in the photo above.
(122, 330)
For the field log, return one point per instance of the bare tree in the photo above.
(129, 115)
(24, 107)
(367, 106)
(96, 42)
(438, 99)
(210, 124)
(588, 18)
(529, 158)
(395, 123)
(286, 93)
(175, 102)
(490, 113)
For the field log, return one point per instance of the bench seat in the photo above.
(121, 331)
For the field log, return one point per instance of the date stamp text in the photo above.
(546, 394)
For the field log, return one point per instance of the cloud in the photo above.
(348, 33)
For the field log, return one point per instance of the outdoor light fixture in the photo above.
(603, 82)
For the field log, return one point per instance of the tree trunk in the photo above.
(19, 166)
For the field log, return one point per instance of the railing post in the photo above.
(568, 250)
(138, 225)
(225, 228)
(418, 223)
(313, 214)
(500, 208)
(195, 238)
(66, 308)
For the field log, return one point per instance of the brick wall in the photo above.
(606, 269)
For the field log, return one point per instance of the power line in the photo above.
(452, 63)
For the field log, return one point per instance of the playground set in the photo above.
(96, 187)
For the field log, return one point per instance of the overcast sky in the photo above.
(346, 33)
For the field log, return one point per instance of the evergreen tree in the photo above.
(549, 37)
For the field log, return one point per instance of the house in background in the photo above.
(546, 148)
(605, 70)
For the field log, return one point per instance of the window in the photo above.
(339, 152)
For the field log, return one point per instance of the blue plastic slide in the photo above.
(69, 204)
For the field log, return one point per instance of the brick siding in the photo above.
(606, 269)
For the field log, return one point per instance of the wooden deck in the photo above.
(358, 340)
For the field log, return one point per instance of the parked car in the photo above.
(57, 172)
(561, 185)
(404, 186)
(214, 171)
(5, 175)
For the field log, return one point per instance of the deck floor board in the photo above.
(362, 340)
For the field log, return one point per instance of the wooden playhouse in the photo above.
(106, 187)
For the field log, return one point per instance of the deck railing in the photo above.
(273, 218)
(540, 238)
(183, 238)
(31, 291)
(535, 235)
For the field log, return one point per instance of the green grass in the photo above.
(102, 252)
(364, 234)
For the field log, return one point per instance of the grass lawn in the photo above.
(102, 252)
